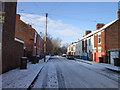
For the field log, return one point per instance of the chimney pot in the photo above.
(87, 32)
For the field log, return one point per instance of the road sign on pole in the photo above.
(2, 17)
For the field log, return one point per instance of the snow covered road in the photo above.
(63, 73)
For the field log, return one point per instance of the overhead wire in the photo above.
(55, 15)
(36, 5)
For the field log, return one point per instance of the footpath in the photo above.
(108, 66)
(22, 78)
(107, 70)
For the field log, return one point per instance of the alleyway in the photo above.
(60, 72)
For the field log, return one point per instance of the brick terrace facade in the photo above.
(96, 44)
(25, 32)
(33, 42)
(109, 40)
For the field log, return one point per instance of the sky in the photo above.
(67, 20)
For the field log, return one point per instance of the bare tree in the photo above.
(63, 48)
(49, 45)
(56, 45)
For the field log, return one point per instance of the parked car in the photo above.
(77, 56)
(63, 55)
(52, 54)
(70, 57)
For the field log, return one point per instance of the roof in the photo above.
(104, 27)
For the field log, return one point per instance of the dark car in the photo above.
(77, 56)
(52, 54)
(70, 57)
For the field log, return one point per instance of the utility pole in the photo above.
(45, 38)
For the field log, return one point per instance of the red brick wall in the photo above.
(113, 36)
(102, 45)
(18, 53)
(26, 33)
(119, 33)
(39, 45)
(11, 49)
(110, 40)
(8, 36)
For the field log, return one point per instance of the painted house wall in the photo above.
(113, 55)
(87, 45)
(78, 47)
(90, 47)
(80, 50)
(71, 50)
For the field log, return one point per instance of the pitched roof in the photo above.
(104, 27)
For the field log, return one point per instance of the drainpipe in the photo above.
(106, 53)
(2, 16)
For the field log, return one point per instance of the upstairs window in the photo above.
(99, 38)
(89, 42)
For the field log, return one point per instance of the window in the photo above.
(2, 6)
(89, 42)
(99, 38)
(85, 45)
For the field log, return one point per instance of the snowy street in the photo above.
(60, 72)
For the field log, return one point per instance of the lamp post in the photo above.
(45, 38)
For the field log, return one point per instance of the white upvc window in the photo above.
(35, 37)
(99, 38)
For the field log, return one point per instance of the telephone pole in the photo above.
(45, 38)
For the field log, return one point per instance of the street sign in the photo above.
(2, 17)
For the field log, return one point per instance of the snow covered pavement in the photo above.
(18, 78)
(100, 68)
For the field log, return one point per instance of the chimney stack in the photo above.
(87, 32)
(17, 16)
(99, 25)
(119, 14)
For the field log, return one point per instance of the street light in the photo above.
(45, 38)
